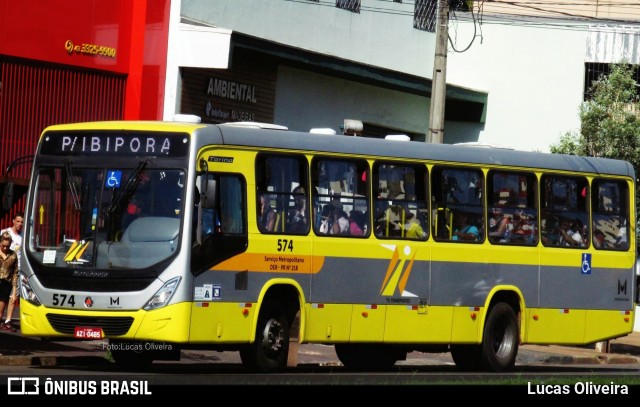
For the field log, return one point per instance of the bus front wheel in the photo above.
(269, 352)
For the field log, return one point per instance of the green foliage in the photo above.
(610, 121)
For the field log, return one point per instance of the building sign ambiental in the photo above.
(234, 91)
(245, 92)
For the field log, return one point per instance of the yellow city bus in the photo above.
(163, 236)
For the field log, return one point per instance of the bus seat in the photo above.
(146, 241)
(279, 223)
(395, 221)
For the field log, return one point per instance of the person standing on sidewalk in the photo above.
(8, 275)
(16, 245)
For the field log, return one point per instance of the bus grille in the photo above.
(111, 326)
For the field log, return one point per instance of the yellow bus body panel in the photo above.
(607, 324)
(560, 326)
(367, 323)
(407, 325)
(328, 323)
(222, 322)
(575, 327)
(467, 324)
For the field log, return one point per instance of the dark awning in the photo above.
(462, 104)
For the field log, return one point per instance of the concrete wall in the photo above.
(533, 76)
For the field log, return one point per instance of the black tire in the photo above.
(270, 350)
(467, 358)
(501, 339)
(364, 357)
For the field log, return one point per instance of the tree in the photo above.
(610, 127)
(610, 121)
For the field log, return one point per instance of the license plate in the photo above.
(87, 332)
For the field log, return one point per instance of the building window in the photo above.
(351, 5)
(594, 71)
(424, 15)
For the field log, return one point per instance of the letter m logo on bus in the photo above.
(622, 287)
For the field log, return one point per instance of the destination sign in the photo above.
(115, 143)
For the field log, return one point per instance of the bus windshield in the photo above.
(105, 217)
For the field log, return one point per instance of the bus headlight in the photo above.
(163, 295)
(26, 292)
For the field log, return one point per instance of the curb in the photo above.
(591, 360)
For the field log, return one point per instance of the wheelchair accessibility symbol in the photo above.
(113, 179)
(586, 263)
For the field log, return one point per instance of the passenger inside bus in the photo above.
(464, 230)
(297, 221)
(340, 222)
(413, 228)
(357, 223)
(599, 241)
(500, 226)
(571, 233)
(266, 214)
(326, 219)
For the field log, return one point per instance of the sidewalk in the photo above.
(624, 350)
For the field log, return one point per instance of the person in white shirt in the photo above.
(16, 245)
(570, 233)
(340, 222)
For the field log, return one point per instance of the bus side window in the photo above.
(610, 228)
(281, 184)
(460, 190)
(564, 205)
(512, 213)
(401, 200)
(340, 187)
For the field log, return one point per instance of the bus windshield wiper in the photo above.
(129, 187)
(73, 188)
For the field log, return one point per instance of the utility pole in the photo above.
(439, 80)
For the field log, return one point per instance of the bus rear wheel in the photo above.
(499, 347)
(269, 352)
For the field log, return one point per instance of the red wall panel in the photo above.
(40, 30)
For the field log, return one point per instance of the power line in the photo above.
(556, 15)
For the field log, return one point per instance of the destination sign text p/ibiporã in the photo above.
(116, 143)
